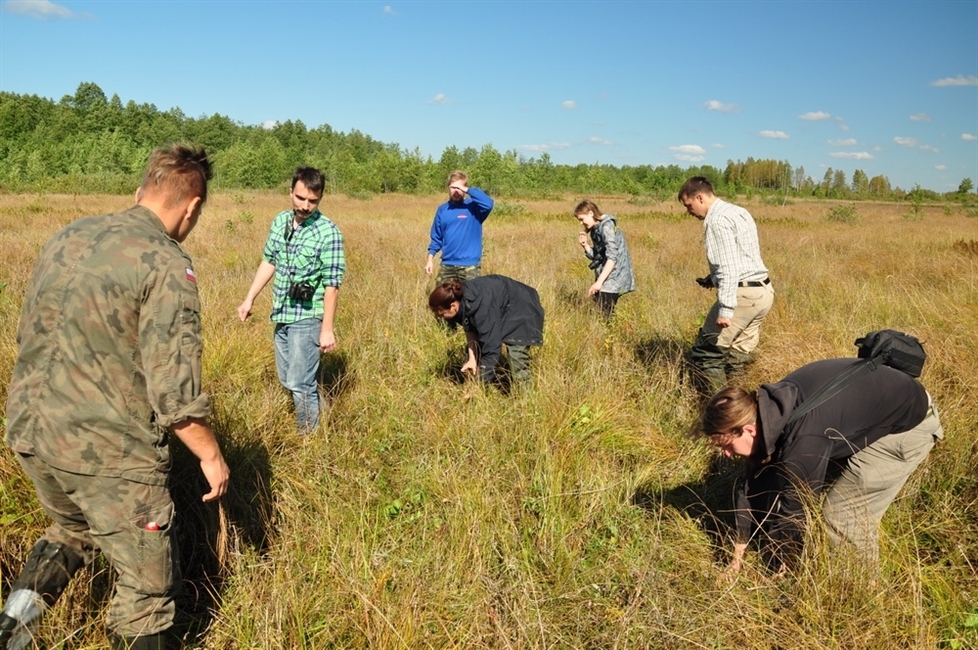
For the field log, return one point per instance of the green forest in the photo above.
(89, 143)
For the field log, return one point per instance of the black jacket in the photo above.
(804, 457)
(500, 310)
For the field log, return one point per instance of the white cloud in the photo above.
(960, 80)
(570, 104)
(440, 98)
(847, 142)
(688, 153)
(268, 125)
(920, 117)
(852, 155)
(714, 105)
(540, 148)
(843, 127)
(815, 116)
(774, 135)
(717, 145)
(940, 168)
(597, 140)
(389, 10)
(43, 9)
(912, 142)
(969, 136)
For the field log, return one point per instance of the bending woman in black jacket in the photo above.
(858, 448)
(493, 310)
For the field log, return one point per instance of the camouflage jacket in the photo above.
(109, 349)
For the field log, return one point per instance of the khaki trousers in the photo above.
(718, 351)
(744, 332)
(856, 502)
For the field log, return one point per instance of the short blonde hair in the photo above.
(177, 172)
(457, 175)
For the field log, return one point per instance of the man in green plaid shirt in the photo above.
(304, 255)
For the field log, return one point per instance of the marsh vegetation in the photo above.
(426, 513)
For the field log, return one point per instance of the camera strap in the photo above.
(290, 231)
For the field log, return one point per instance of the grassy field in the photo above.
(429, 514)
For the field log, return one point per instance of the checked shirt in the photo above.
(311, 253)
(732, 250)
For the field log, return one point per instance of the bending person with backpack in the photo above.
(858, 447)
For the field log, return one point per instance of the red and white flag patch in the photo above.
(191, 276)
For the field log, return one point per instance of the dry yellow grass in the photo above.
(418, 519)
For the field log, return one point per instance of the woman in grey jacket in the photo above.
(609, 256)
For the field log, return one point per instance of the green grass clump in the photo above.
(508, 209)
(843, 214)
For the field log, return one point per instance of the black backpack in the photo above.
(884, 347)
(893, 349)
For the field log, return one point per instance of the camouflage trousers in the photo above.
(446, 272)
(132, 524)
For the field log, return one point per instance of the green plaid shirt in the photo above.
(311, 253)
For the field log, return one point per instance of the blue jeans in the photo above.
(297, 361)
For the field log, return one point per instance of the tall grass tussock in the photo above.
(430, 513)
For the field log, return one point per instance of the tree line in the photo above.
(88, 142)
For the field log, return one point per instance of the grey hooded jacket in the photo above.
(608, 243)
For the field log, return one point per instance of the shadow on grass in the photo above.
(210, 534)
(334, 376)
(451, 369)
(574, 297)
(707, 501)
(658, 351)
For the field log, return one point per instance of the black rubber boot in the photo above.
(7, 626)
(47, 572)
(738, 363)
(707, 366)
(49, 569)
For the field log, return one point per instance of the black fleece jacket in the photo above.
(793, 465)
(500, 310)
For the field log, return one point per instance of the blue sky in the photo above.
(884, 86)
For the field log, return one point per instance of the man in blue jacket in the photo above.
(457, 231)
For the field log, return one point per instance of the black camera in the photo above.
(706, 283)
(302, 291)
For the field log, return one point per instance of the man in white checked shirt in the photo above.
(744, 292)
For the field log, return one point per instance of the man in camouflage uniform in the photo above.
(108, 366)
